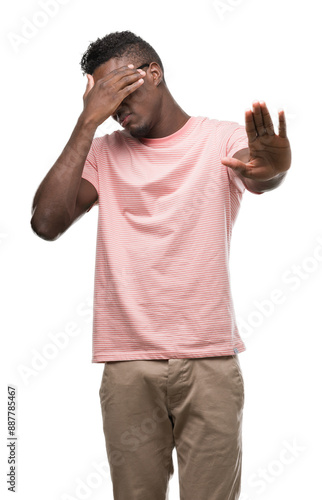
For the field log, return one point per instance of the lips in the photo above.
(124, 119)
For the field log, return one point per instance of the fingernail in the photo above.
(130, 66)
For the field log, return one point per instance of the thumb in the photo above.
(233, 163)
(89, 85)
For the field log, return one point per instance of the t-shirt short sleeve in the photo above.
(90, 171)
(236, 140)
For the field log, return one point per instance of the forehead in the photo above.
(110, 65)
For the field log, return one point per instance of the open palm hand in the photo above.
(268, 154)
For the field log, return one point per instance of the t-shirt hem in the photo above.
(122, 356)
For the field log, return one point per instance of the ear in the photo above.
(156, 73)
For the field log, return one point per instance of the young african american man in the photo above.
(168, 187)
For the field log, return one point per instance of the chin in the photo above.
(139, 131)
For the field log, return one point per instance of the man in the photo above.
(169, 187)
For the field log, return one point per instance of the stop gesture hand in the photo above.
(268, 154)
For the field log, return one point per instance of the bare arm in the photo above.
(63, 196)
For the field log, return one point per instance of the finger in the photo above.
(125, 73)
(90, 81)
(281, 124)
(234, 164)
(130, 88)
(123, 85)
(89, 85)
(258, 118)
(250, 126)
(267, 120)
(247, 170)
(128, 80)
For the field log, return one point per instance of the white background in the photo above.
(218, 58)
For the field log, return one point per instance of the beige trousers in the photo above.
(194, 404)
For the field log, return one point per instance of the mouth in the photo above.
(125, 120)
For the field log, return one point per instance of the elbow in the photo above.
(42, 231)
(45, 231)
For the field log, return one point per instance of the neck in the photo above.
(171, 117)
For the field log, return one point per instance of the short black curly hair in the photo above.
(118, 44)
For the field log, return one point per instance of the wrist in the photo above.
(260, 186)
(87, 123)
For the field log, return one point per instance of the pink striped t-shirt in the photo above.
(166, 211)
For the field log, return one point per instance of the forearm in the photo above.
(55, 199)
